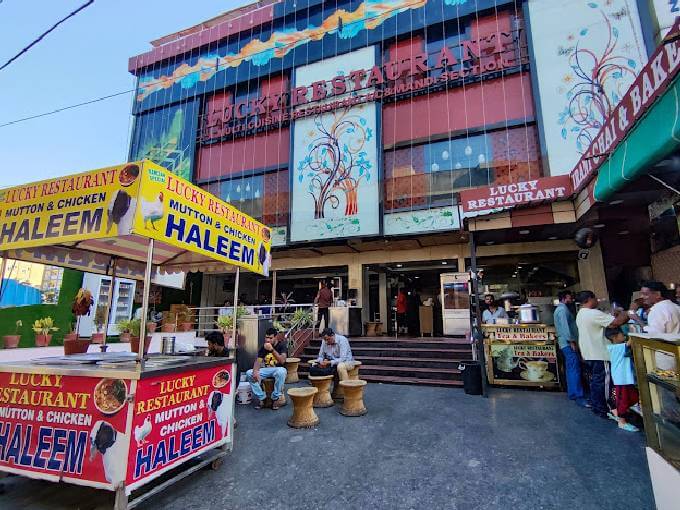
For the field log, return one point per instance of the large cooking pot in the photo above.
(529, 313)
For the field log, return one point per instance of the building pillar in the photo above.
(591, 273)
(461, 264)
(384, 301)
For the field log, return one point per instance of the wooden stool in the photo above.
(268, 388)
(354, 372)
(292, 369)
(353, 404)
(323, 384)
(304, 416)
(337, 394)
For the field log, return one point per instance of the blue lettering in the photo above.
(75, 451)
(248, 255)
(143, 461)
(172, 226)
(161, 456)
(196, 438)
(172, 451)
(194, 236)
(4, 437)
(26, 459)
(209, 432)
(43, 433)
(222, 246)
(15, 445)
(206, 242)
(235, 250)
(58, 447)
(185, 443)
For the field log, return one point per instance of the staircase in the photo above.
(423, 361)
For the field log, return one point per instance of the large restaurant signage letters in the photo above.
(488, 54)
(650, 83)
(513, 194)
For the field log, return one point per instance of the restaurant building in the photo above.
(381, 140)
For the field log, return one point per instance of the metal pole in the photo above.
(273, 292)
(3, 267)
(109, 303)
(475, 329)
(236, 283)
(145, 305)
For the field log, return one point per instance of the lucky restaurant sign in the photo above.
(487, 199)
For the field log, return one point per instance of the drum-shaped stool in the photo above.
(337, 394)
(268, 388)
(353, 405)
(323, 384)
(304, 416)
(292, 369)
(354, 372)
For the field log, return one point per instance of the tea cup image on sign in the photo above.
(535, 371)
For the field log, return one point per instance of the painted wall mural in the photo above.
(426, 220)
(596, 52)
(368, 15)
(167, 137)
(334, 184)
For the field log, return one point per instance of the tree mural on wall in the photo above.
(598, 78)
(336, 161)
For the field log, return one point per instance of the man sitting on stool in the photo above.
(336, 353)
(270, 362)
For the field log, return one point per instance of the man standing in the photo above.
(492, 311)
(567, 339)
(335, 352)
(324, 299)
(591, 324)
(270, 362)
(663, 317)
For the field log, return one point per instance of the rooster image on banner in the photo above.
(153, 211)
(143, 430)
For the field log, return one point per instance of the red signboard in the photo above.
(176, 417)
(650, 83)
(67, 428)
(500, 196)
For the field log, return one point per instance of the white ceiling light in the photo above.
(445, 155)
(624, 232)
(489, 243)
(616, 202)
(599, 225)
(552, 238)
(468, 151)
(524, 232)
(444, 262)
(400, 265)
(435, 167)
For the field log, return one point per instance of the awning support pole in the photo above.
(234, 339)
(109, 302)
(3, 267)
(273, 292)
(145, 305)
(476, 334)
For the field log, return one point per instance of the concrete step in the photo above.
(406, 361)
(459, 352)
(401, 344)
(419, 381)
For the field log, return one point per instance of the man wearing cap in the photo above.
(335, 352)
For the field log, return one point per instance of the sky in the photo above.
(84, 58)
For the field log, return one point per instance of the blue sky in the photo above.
(84, 58)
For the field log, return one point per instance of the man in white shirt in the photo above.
(592, 343)
(663, 317)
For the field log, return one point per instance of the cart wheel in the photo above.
(216, 464)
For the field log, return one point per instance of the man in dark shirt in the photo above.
(324, 299)
(270, 362)
(216, 346)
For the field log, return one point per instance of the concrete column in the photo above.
(384, 302)
(461, 264)
(591, 273)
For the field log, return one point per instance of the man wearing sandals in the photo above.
(270, 362)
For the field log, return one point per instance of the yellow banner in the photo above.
(91, 205)
(178, 213)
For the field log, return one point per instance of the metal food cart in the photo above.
(117, 421)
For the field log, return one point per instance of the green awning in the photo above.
(655, 137)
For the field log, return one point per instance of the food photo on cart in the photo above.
(135, 416)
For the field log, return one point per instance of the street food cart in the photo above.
(521, 355)
(117, 421)
(658, 376)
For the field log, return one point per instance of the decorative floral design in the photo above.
(336, 162)
(428, 220)
(598, 78)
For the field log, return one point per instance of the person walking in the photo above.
(402, 307)
(323, 299)
(567, 339)
(591, 324)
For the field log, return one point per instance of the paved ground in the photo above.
(417, 448)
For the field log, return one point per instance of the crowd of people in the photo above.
(596, 348)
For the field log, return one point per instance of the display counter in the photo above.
(660, 402)
(97, 420)
(346, 320)
(521, 355)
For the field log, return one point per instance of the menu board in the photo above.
(67, 428)
(526, 364)
(178, 416)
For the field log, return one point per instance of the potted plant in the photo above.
(301, 321)
(73, 344)
(12, 341)
(99, 320)
(71, 335)
(135, 326)
(43, 329)
(151, 327)
(124, 327)
(184, 318)
(225, 323)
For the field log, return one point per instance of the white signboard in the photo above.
(587, 54)
(335, 188)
